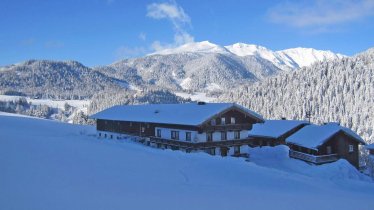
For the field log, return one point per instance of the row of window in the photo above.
(223, 121)
(209, 136)
(212, 151)
(329, 149)
(175, 135)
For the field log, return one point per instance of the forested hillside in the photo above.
(339, 90)
(54, 79)
(105, 100)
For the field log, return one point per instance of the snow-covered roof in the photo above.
(181, 114)
(370, 146)
(275, 128)
(313, 136)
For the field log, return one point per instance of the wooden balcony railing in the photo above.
(226, 127)
(317, 159)
(201, 145)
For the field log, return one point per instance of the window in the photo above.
(223, 135)
(236, 150)
(188, 136)
(175, 135)
(209, 137)
(211, 151)
(232, 120)
(236, 134)
(223, 121)
(213, 122)
(350, 149)
(159, 133)
(328, 150)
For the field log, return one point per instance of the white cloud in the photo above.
(183, 38)
(169, 11)
(320, 13)
(176, 15)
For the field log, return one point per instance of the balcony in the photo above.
(201, 145)
(225, 127)
(316, 159)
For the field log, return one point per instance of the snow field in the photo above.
(51, 165)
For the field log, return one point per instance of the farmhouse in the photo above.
(274, 132)
(226, 129)
(325, 143)
(217, 128)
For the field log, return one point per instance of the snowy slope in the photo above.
(307, 56)
(337, 91)
(287, 59)
(293, 58)
(242, 49)
(51, 165)
(80, 104)
(194, 47)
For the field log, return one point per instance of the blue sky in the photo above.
(99, 32)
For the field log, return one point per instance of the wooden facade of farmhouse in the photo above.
(222, 133)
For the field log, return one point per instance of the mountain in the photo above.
(194, 47)
(54, 79)
(204, 66)
(194, 67)
(285, 59)
(338, 90)
(194, 71)
(307, 56)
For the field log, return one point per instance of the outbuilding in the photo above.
(325, 143)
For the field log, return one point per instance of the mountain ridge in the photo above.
(197, 67)
(293, 57)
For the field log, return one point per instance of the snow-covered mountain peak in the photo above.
(193, 47)
(288, 59)
(307, 56)
(242, 49)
